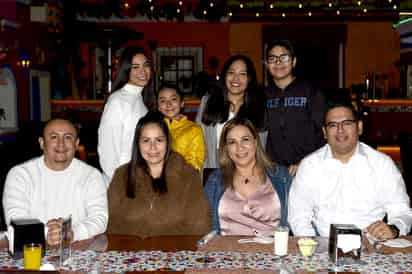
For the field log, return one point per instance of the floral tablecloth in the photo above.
(121, 261)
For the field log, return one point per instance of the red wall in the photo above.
(214, 38)
(8, 9)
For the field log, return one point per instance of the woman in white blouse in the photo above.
(131, 99)
(236, 94)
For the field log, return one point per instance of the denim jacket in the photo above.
(281, 181)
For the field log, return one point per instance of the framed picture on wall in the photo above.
(178, 70)
(178, 66)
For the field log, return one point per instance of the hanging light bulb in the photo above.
(337, 12)
(205, 12)
(359, 3)
(283, 15)
(230, 14)
(395, 7)
(330, 4)
(211, 4)
(178, 10)
(365, 10)
(309, 14)
(300, 5)
(151, 8)
(257, 14)
(271, 6)
(241, 5)
(390, 1)
(180, 3)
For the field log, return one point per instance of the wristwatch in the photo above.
(395, 229)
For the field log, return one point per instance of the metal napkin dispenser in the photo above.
(345, 242)
(24, 231)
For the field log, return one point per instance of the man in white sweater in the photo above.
(56, 185)
(348, 182)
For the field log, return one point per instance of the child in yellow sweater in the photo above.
(187, 136)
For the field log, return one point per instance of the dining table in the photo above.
(222, 254)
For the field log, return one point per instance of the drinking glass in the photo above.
(32, 256)
(307, 247)
(281, 240)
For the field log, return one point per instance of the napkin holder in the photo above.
(345, 242)
(25, 231)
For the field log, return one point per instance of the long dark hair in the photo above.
(286, 44)
(138, 162)
(218, 105)
(124, 72)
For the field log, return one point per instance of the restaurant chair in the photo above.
(206, 173)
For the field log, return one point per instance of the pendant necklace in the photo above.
(248, 178)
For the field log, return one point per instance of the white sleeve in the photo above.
(396, 199)
(301, 201)
(110, 138)
(96, 209)
(16, 195)
(200, 110)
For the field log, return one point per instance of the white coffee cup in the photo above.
(281, 240)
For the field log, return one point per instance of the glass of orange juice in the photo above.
(32, 256)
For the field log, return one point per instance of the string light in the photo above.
(271, 6)
(180, 3)
(204, 12)
(211, 4)
(300, 5)
(359, 3)
(365, 10)
(257, 14)
(241, 5)
(395, 7)
(283, 15)
(151, 8)
(337, 12)
(390, 1)
(126, 5)
(230, 14)
(330, 4)
(309, 14)
(178, 10)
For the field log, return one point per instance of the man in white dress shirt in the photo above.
(56, 185)
(348, 182)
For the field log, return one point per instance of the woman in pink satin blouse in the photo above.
(248, 193)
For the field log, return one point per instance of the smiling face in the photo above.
(153, 144)
(241, 146)
(280, 71)
(59, 144)
(169, 103)
(236, 78)
(140, 71)
(342, 132)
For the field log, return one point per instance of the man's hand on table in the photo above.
(54, 227)
(381, 231)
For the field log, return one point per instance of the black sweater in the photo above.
(294, 119)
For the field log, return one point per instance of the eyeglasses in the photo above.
(345, 124)
(272, 59)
